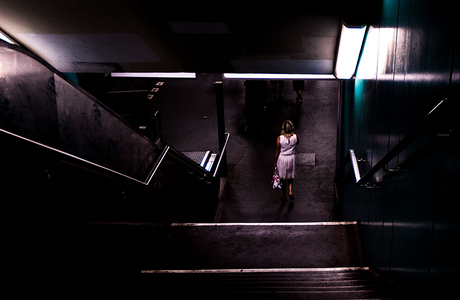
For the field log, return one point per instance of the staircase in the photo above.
(67, 241)
(332, 283)
(317, 283)
(218, 261)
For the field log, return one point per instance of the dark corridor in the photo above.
(107, 182)
(190, 123)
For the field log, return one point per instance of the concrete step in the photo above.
(259, 245)
(221, 284)
(145, 246)
(215, 260)
(327, 284)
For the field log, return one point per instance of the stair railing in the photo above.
(426, 123)
(213, 173)
(76, 160)
(142, 172)
(73, 159)
(222, 154)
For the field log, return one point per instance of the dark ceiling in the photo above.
(102, 36)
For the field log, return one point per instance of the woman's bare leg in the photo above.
(291, 186)
(284, 189)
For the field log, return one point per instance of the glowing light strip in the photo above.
(276, 76)
(155, 74)
(351, 41)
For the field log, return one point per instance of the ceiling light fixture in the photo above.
(276, 76)
(351, 41)
(155, 74)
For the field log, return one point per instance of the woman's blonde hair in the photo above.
(287, 129)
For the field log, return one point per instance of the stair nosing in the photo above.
(262, 270)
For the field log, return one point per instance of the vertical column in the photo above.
(221, 126)
(255, 99)
(157, 132)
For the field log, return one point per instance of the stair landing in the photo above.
(195, 246)
(321, 260)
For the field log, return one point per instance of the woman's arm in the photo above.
(278, 149)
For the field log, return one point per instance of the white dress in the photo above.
(286, 159)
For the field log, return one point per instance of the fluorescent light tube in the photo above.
(155, 74)
(276, 76)
(351, 41)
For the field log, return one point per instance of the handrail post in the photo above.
(221, 127)
(419, 129)
(227, 136)
(158, 134)
(157, 165)
(354, 163)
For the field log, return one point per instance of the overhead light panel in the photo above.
(351, 41)
(155, 74)
(276, 76)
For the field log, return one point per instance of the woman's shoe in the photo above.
(283, 199)
(291, 197)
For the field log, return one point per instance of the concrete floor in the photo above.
(197, 246)
(256, 246)
(190, 124)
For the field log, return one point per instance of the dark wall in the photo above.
(38, 103)
(47, 195)
(410, 62)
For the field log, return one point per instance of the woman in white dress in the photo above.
(285, 158)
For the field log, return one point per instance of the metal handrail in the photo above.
(152, 173)
(66, 154)
(197, 166)
(189, 161)
(72, 157)
(222, 153)
(403, 144)
(354, 163)
(157, 164)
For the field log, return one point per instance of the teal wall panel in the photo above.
(409, 63)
